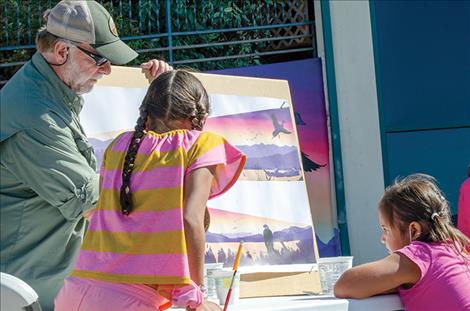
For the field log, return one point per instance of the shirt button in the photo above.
(82, 196)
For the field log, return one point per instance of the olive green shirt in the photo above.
(47, 178)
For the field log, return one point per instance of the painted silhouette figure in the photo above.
(268, 239)
(209, 256)
(221, 257)
(278, 127)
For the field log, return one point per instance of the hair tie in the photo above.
(434, 215)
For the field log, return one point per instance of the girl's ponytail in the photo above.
(418, 198)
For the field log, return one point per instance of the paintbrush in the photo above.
(235, 269)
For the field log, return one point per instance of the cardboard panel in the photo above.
(268, 207)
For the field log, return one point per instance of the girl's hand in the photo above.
(206, 306)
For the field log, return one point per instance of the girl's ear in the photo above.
(415, 229)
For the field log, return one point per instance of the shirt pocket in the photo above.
(86, 149)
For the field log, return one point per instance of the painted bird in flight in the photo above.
(278, 127)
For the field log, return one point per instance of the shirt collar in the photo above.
(69, 97)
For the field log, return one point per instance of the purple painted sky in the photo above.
(306, 86)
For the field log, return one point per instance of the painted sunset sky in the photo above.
(307, 92)
(253, 127)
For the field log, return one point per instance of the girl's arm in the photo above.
(197, 185)
(378, 277)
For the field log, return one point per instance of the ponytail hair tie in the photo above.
(433, 216)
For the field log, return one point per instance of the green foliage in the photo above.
(139, 18)
(193, 16)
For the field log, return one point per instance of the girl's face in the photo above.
(391, 236)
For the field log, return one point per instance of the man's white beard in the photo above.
(72, 74)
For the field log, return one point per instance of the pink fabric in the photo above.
(185, 140)
(189, 295)
(463, 221)
(148, 264)
(145, 180)
(225, 175)
(444, 282)
(137, 221)
(122, 142)
(79, 294)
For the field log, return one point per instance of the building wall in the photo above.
(359, 126)
(402, 71)
(422, 51)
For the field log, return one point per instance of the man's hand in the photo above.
(153, 68)
(206, 306)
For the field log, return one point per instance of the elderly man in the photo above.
(48, 169)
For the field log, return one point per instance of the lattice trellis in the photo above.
(207, 34)
(295, 11)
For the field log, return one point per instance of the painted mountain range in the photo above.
(259, 156)
(249, 228)
(289, 234)
(270, 156)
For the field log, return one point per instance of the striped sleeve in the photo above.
(213, 150)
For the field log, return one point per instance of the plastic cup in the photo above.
(222, 284)
(210, 269)
(330, 269)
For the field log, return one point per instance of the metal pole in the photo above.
(168, 30)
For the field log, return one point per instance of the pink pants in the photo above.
(80, 294)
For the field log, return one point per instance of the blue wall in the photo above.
(422, 58)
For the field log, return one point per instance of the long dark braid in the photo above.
(137, 137)
(174, 95)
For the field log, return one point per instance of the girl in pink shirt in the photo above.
(463, 219)
(144, 248)
(428, 265)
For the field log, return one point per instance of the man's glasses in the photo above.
(99, 60)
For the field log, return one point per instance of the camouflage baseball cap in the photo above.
(89, 22)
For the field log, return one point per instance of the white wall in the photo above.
(321, 54)
(359, 125)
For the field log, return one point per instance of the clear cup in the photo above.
(330, 269)
(209, 270)
(222, 284)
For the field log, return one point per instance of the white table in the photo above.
(382, 302)
(318, 302)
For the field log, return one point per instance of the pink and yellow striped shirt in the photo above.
(148, 246)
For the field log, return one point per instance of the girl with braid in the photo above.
(429, 262)
(144, 249)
